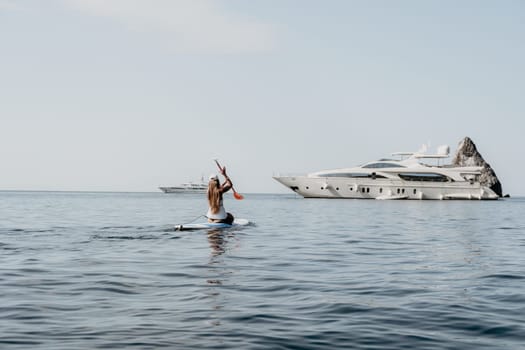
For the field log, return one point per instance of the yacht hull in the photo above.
(334, 187)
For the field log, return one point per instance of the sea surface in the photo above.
(108, 271)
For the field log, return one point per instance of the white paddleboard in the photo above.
(211, 225)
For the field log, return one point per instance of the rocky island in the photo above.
(468, 155)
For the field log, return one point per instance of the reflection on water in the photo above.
(221, 240)
(217, 241)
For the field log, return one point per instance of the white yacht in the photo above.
(406, 177)
(187, 187)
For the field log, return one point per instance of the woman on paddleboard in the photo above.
(216, 211)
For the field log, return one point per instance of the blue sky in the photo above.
(127, 95)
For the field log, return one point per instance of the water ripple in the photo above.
(109, 271)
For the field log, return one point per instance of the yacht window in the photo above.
(351, 175)
(415, 191)
(380, 190)
(367, 189)
(383, 165)
(433, 177)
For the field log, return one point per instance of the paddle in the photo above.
(236, 195)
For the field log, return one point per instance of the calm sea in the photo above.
(107, 271)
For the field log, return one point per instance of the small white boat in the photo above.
(187, 187)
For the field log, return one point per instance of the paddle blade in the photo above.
(238, 196)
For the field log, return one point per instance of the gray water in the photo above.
(107, 271)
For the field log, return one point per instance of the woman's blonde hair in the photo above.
(214, 196)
